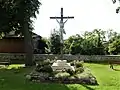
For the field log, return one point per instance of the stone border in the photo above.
(18, 57)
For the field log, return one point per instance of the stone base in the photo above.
(60, 65)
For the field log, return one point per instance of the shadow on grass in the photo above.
(116, 69)
(87, 87)
(97, 62)
(14, 79)
(81, 87)
(53, 87)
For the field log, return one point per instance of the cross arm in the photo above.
(55, 17)
(68, 17)
(62, 17)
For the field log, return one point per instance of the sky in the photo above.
(88, 15)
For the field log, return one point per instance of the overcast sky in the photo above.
(88, 15)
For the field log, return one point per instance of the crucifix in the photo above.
(61, 24)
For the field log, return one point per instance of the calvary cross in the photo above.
(61, 23)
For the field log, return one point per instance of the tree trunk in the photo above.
(28, 45)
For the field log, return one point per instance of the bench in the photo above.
(114, 62)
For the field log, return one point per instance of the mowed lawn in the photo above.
(15, 80)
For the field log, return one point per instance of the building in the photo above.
(12, 43)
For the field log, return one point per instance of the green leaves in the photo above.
(55, 42)
(97, 42)
(114, 47)
(118, 9)
(90, 43)
(15, 12)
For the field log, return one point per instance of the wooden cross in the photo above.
(61, 23)
(61, 16)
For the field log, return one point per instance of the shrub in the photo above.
(79, 70)
(28, 77)
(72, 63)
(46, 68)
(87, 78)
(84, 75)
(62, 75)
(46, 62)
(43, 63)
(72, 77)
(43, 75)
(71, 72)
(79, 64)
(38, 67)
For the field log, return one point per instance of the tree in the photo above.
(114, 47)
(6, 23)
(111, 35)
(100, 38)
(90, 43)
(28, 9)
(73, 44)
(97, 42)
(93, 42)
(41, 46)
(17, 16)
(55, 44)
(118, 9)
(113, 42)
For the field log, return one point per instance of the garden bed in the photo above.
(44, 73)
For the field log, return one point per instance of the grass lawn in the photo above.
(15, 80)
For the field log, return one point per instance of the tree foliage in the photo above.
(97, 42)
(72, 44)
(114, 47)
(55, 44)
(15, 12)
(16, 15)
(118, 8)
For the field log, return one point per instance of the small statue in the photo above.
(61, 23)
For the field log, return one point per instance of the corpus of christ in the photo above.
(61, 29)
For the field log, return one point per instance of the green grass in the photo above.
(108, 79)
